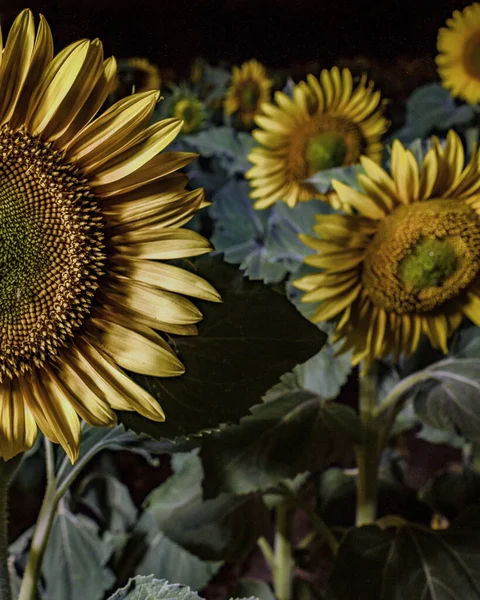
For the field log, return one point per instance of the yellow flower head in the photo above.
(328, 123)
(250, 87)
(88, 209)
(408, 263)
(459, 58)
(185, 106)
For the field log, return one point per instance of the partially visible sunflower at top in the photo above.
(249, 89)
(88, 208)
(182, 103)
(328, 123)
(134, 76)
(459, 54)
(408, 263)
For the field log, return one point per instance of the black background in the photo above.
(280, 33)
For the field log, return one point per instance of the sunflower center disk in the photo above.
(472, 56)
(325, 151)
(187, 111)
(422, 255)
(250, 95)
(51, 252)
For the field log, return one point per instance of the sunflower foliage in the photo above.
(240, 328)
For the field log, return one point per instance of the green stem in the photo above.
(283, 561)
(28, 589)
(368, 452)
(475, 456)
(395, 395)
(7, 471)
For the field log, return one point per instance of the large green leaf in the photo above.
(410, 562)
(149, 588)
(74, 565)
(450, 492)
(156, 554)
(449, 400)
(243, 347)
(294, 433)
(224, 528)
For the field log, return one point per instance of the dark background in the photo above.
(280, 33)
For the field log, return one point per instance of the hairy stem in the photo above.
(283, 561)
(28, 589)
(368, 452)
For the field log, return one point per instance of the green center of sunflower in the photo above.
(250, 95)
(430, 262)
(188, 111)
(51, 251)
(422, 255)
(472, 56)
(325, 151)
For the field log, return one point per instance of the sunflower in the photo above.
(459, 58)
(328, 123)
(250, 87)
(136, 75)
(408, 263)
(88, 209)
(183, 104)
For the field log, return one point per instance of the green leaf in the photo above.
(410, 561)
(158, 555)
(239, 353)
(228, 145)
(449, 400)
(347, 175)
(224, 528)
(254, 587)
(323, 374)
(295, 433)
(74, 565)
(149, 588)
(180, 491)
(451, 492)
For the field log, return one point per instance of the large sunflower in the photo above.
(408, 263)
(328, 123)
(459, 58)
(87, 207)
(250, 87)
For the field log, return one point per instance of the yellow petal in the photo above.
(176, 243)
(79, 388)
(18, 430)
(58, 420)
(136, 352)
(168, 277)
(16, 60)
(363, 204)
(112, 129)
(129, 396)
(145, 147)
(331, 307)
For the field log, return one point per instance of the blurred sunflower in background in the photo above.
(88, 207)
(249, 89)
(408, 263)
(134, 76)
(459, 58)
(328, 123)
(183, 104)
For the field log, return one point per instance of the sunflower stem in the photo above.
(28, 589)
(283, 562)
(368, 452)
(7, 471)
